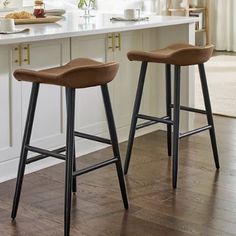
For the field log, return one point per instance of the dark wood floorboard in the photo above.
(204, 203)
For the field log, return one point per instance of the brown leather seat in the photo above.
(176, 54)
(79, 73)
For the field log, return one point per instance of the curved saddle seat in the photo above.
(176, 54)
(79, 73)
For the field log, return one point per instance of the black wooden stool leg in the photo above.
(114, 140)
(135, 113)
(69, 158)
(176, 122)
(74, 181)
(168, 106)
(24, 151)
(209, 113)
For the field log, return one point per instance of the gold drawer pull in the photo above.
(113, 43)
(119, 41)
(27, 59)
(19, 60)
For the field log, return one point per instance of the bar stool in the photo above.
(77, 74)
(177, 55)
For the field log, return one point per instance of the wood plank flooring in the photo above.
(203, 204)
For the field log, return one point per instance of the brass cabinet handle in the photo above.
(27, 59)
(109, 38)
(115, 38)
(113, 43)
(19, 60)
(118, 36)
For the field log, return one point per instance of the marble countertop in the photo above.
(73, 25)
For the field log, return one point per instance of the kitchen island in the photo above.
(48, 45)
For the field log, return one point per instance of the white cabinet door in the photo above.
(90, 115)
(154, 95)
(124, 86)
(49, 125)
(155, 103)
(10, 106)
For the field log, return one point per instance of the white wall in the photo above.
(114, 5)
(13, 3)
(108, 5)
(158, 6)
(102, 3)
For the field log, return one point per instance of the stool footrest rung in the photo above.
(43, 156)
(190, 109)
(146, 124)
(46, 153)
(195, 131)
(92, 137)
(164, 120)
(95, 167)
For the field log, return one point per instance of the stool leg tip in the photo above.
(174, 185)
(127, 204)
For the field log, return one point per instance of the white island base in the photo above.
(52, 45)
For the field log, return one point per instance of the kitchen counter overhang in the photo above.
(74, 25)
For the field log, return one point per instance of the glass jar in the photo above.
(39, 9)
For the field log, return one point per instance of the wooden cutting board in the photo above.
(47, 19)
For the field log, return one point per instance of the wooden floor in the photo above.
(203, 204)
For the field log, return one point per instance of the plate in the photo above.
(55, 12)
(47, 19)
(125, 19)
(15, 31)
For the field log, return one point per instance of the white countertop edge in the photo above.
(24, 38)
